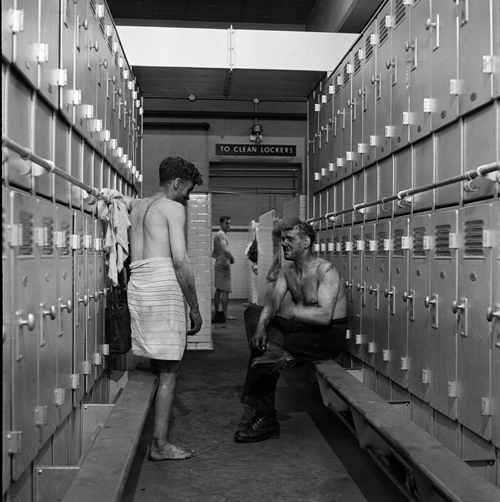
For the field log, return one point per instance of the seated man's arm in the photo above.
(328, 291)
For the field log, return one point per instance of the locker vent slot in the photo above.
(355, 250)
(381, 252)
(110, 44)
(368, 238)
(418, 242)
(26, 247)
(344, 242)
(400, 12)
(66, 250)
(80, 251)
(398, 243)
(336, 251)
(443, 242)
(384, 33)
(92, 7)
(347, 76)
(368, 47)
(357, 63)
(4, 236)
(48, 228)
(102, 26)
(116, 60)
(337, 88)
(473, 247)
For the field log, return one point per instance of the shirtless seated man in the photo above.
(315, 330)
(161, 277)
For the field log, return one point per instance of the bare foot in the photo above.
(169, 452)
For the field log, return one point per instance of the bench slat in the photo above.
(104, 470)
(453, 477)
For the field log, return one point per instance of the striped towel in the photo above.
(157, 313)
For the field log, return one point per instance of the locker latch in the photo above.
(375, 289)
(461, 310)
(14, 440)
(390, 293)
(493, 316)
(60, 397)
(408, 297)
(361, 288)
(432, 303)
(41, 417)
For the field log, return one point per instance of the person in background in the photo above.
(161, 277)
(315, 329)
(223, 261)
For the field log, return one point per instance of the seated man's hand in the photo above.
(196, 322)
(259, 340)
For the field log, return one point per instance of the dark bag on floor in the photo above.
(118, 331)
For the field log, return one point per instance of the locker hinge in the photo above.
(105, 349)
(386, 356)
(487, 239)
(316, 247)
(404, 363)
(74, 241)
(14, 440)
(17, 21)
(373, 245)
(425, 377)
(75, 381)
(60, 239)
(99, 10)
(406, 242)
(360, 245)
(60, 397)
(452, 389)
(331, 89)
(454, 87)
(348, 246)
(41, 417)
(87, 367)
(388, 244)
(74, 96)
(87, 241)
(97, 359)
(428, 242)
(390, 21)
(371, 347)
(348, 334)
(453, 243)
(16, 235)
(42, 53)
(486, 406)
(98, 243)
(41, 236)
(361, 339)
(488, 64)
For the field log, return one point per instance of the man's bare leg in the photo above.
(217, 300)
(225, 299)
(161, 449)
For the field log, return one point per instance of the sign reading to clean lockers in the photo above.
(266, 150)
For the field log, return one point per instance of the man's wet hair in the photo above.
(177, 167)
(305, 230)
(223, 219)
(277, 232)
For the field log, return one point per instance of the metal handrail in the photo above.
(50, 167)
(483, 170)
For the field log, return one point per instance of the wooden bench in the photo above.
(103, 472)
(435, 472)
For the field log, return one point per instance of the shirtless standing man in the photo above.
(161, 277)
(316, 329)
(223, 261)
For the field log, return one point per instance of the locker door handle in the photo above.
(373, 289)
(388, 293)
(430, 24)
(95, 296)
(429, 302)
(432, 303)
(455, 307)
(68, 306)
(491, 314)
(408, 296)
(29, 321)
(84, 299)
(52, 312)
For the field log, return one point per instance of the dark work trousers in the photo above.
(305, 342)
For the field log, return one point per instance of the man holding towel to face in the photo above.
(161, 277)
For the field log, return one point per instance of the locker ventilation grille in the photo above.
(337, 88)
(443, 241)
(398, 243)
(48, 228)
(65, 251)
(92, 7)
(418, 242)
(335, 248)
(355, 250)
(347, 76)
(368, 238)
(344, 242)
(26, 247)
(79, 251)
(381, 252)
(473, 247)
(384, 33)
(357, 63)
(400, 11)
(110, 44)
(368, 47)
(102, 26)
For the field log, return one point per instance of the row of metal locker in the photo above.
(70, 53)
(424, 306)
(417, 67)
(54, 300)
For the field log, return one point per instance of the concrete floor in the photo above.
(317, 459)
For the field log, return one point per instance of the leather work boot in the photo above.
(262, 426)
(270, 362)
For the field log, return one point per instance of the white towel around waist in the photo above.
(157, 311)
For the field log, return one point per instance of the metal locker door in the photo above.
(347, 183)
(7, 326)
(423, 173)
(480, 139)
(449, 164)
(398, 68)
(368, 95)
(7, 34)
(65, 299)
(475, 63)
(381, 284)
(347, 109)
(344, 263)
(371, 182)
(337, 114)
(403, 172)
(493, 316)
(92, 295)
(49, 42)
(43, 145)
(97, 182)
(101, 135)
(47, 322)
(313, 137)
(61, 153)
(80, 302)
(444, 63)
(382, 82)
(474, 331)
(106, 172)
(339, 201)
(25, 327)
(323, 207)
(365, 338)
(419, 319)
(398, 309)
(323, 123)
(69, 96)
(329, 160)
(100, 305)
(26, 40)
(76, 168)
(355, 296)
(358, 196)
(420, 76)
(385, 180)
(357, 105)
(443, 291)
(88, 169)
